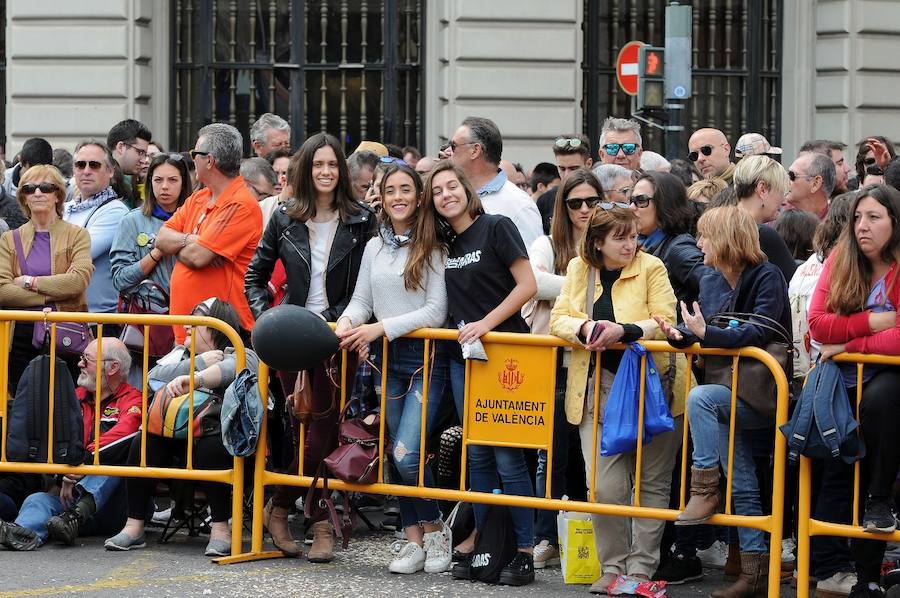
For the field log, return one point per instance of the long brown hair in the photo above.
(851, 271)
(430, 219)
(562, 233)
(304, 206)
(424, 239)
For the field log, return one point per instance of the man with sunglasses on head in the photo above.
(128, 141)
(710, 151)
(571, 152)
(620, 142)
(476, 147)
(812, 178)
(92, 504)
(98, 208)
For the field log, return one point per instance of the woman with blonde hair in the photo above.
(744, 282)
(625, 288)
(57, 257)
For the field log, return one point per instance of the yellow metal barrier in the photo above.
(518, 342)
(807, 527)
(233, 477)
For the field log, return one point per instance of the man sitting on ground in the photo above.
(87, 504)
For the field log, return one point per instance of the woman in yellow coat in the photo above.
(630, 287)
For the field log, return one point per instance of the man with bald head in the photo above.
(710, 151)
(424, 166)
(812, 180)
(88, 504)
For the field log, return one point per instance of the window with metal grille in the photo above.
(2, 78)
(737, 49)
(348, 67)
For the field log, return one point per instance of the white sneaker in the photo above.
(438, 550)
(788, 546)
(545, 555)
(410, 560)
(715, 556)
(836, 586)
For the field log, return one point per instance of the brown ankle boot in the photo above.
(322, 549)
(275, 520)
(704, 497)
(753, 579)
(733, 565)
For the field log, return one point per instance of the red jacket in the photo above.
(853, 330)
(120, 419)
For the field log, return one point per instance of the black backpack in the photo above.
(26, 439)
(495, 545)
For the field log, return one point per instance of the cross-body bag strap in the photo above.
(589, 293)
(94, 211)
(20, 251)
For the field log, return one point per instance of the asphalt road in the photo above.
(180, 569)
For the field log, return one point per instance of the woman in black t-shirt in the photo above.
(488, 279)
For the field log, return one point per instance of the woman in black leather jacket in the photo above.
(319, 238)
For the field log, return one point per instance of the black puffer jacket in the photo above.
(684, 261)
(288, 240)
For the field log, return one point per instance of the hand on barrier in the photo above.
(829, 351)
(473, 331)
(670, 331)
(358, 339)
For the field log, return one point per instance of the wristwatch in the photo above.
(27, 281)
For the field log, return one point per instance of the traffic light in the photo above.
(678, 52)
(651, 77)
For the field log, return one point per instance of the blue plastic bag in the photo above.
(620, 417)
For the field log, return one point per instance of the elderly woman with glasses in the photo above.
(46, 262)
(610, 294)
(616, 182)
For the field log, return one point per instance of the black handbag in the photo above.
(756, 384)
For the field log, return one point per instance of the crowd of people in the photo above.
(386, 241)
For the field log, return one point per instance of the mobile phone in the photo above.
(596, 331)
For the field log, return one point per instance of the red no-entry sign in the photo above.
(627, 67)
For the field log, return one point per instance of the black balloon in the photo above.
(292, 338)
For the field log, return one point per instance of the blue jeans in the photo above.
(709, 411)
(489, 465)
(545, 527)
(403, 418)
(109, 497)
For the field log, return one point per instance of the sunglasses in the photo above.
(94, 164)
(641, 201)
(564, 142)
(706, 150)
(612, 149)
(626, 191)
(793, 176)
(44, 187)
(453, 145)
(194, 153)
(392, 160)
(575, 203)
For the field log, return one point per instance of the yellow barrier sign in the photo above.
(511, 396)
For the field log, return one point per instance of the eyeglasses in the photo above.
(626, 191)
(612, 149)
(94, 164)
(575, 203)
(793, 176)
(706, 150)
(194, 153)
(641, 201)
(85, 360)
(453, 145)
(392, 160)
(44, 187)
(140, 152)
(565, 142)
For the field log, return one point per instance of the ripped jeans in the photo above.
(404, 418)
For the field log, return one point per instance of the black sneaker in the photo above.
(880, 516)
(460, 568)
(862, 590)
(64, 527)
(679, 569)
(519, 571)
(15, 537)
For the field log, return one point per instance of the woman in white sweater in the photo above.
(401, 283)
(550, 255)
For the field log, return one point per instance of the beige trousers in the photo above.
(628, 546)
